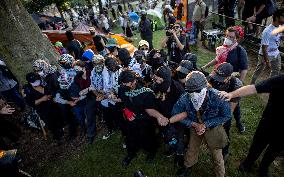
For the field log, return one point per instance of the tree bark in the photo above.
(100, 6)
(21, 41)
(60, 10)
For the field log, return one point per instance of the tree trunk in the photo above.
(21, 41)
(100, 7)
(60, 11)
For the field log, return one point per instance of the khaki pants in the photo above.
(191, 156)
(275, 67)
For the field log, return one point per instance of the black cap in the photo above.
(191, 57)
(32, 77)
(185, 67)
(223, 71)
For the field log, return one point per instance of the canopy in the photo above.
(156, 16)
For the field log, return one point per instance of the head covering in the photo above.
(126, 76)
(42, 65)
(192, 58)
(111, 64)
(165, 73)
(88, 55)
(111, 42)
(98, 61)
(58, 44)
(195, 81)
(240, 31)
(223, 71)
(185, 67)
(131, 49)
(66, 61)
(143, 42)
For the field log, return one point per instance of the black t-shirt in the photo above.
(274, 107)
(137, 104)
(165, 107)
(174, 52)
(233, 84)
(75, 46)
(238, 58)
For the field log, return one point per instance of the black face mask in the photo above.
(222, 86)
(80, 73)
(163, 87)
(181, 75)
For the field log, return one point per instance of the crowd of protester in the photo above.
(139, 92)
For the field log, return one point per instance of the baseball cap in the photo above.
(223, 71)
(185, 67)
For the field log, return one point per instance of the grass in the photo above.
(103, 158)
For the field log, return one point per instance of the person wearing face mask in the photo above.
(141, 67)
(144, 46)
(175, 43)
(222, 80)
(48, 74)
(231, 52)
(140, 109)
(184, 68)
(110, 76)
(37, 96)
(201, 110)
(112, 47)
(167, 92)
(146, 29)
(81, 93)
(156, 58)
(269, 54)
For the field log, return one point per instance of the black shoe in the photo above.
(244, 168)
(179, 160)
(184, 171)
(150, 157)
(241, 128)
(126, 161)
(90, 140)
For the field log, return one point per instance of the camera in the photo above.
(168, 32)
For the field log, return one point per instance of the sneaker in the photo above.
(241, 128)
(108, 134)
(184, 171)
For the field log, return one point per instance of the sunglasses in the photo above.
(176, 27)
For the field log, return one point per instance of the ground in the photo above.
(103, 158)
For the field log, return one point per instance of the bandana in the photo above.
(45, 67)
(197, 99)
(222, 53)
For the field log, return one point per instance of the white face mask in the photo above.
(197, 99)
(228, 41)
(36, 83)
(41, 73)
(145, 52)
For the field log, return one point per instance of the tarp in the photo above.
(82, 27)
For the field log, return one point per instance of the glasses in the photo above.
(176, 27)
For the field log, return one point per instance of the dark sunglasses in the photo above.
(176, 27)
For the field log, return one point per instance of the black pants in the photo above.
(141, 135)
(227, 8)
(267, 136)
(114, 118)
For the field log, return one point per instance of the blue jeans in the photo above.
(14, 96)
(86, 109)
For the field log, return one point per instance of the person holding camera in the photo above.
(175, 42)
